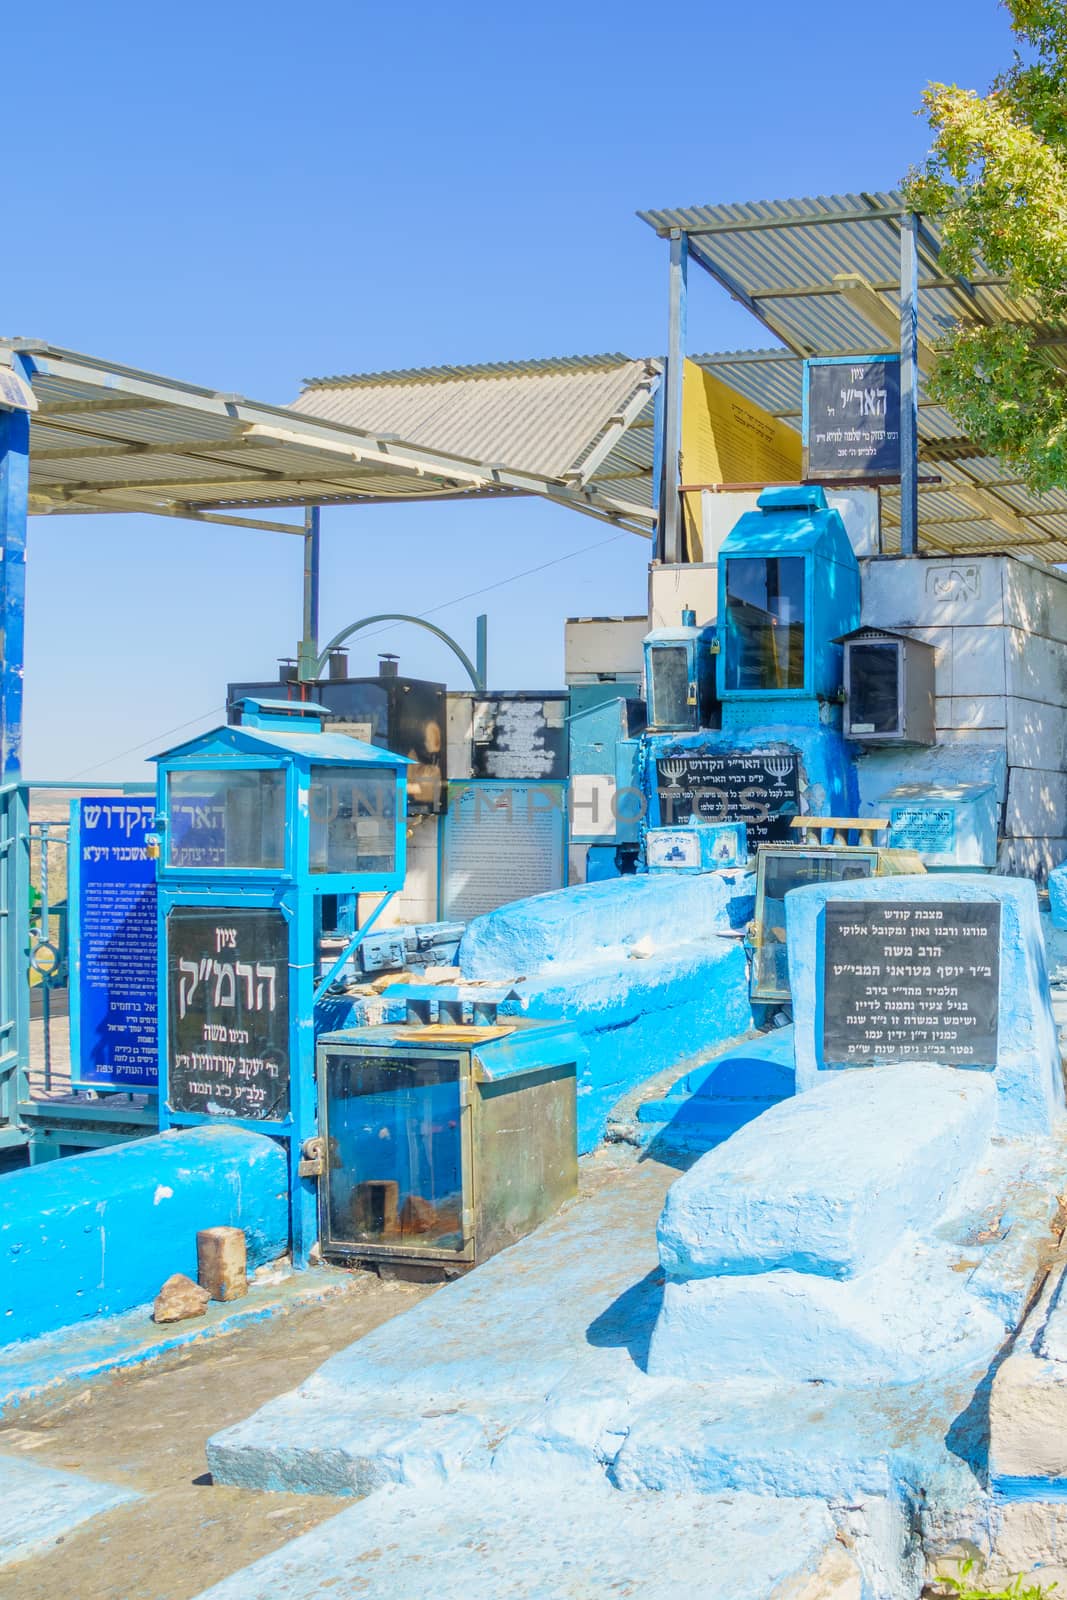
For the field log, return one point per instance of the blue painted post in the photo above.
(669, 544)
(14, 495)
(909, 384)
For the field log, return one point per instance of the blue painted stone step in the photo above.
(711, 1101)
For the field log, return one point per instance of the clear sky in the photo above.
(243, 195)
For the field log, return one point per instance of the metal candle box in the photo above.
(447, 1137)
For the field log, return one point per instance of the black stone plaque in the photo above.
(228, 1012)
(853, 420)
(911, 981)
(760, 788)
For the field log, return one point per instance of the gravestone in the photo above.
(946, 970)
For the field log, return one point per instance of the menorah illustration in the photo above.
(778, 768)
(674, 772)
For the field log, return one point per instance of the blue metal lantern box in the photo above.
(257, 823)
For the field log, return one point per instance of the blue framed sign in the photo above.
(852, 419)
(112, 892)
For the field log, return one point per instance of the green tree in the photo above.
(996, 175)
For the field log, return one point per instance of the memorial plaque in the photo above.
(112, 885)
(228, 1012)
(852, 420)
(760, 788)
(911, 981)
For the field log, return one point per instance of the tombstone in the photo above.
(945, 971)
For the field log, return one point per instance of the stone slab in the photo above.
(484, 1539)
(828, 1181)
(42, 1505)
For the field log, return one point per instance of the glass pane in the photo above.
(353, 820)
(395, 1151)
(669, 689)
(227, 819)
(873, 701)
(765, 623)
(783, 871)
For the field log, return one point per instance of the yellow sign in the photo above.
(728, 440)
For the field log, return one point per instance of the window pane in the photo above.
(353, 820)
(669, 689)
(782, 871)
(227, 819)
(395, 1151)
(873, 672)
(765, 623)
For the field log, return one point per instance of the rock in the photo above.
(222, 1262)
(178, 1299)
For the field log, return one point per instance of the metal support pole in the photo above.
(909, 385)
(481, 650)
(307, 655)
(669, 542)
(14, 495)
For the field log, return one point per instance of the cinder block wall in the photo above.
(999, 627)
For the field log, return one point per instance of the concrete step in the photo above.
(481, 1539)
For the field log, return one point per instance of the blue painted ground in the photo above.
(476, 1541)
(42, 1505)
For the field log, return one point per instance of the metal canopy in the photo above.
(823, 275)
(111, 438)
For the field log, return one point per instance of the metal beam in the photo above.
(308, 648)
(762, 224)
(72, 408)
(909, 385)
(669, 544)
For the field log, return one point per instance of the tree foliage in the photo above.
(997, 177)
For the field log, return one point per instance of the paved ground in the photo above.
(145, 1430)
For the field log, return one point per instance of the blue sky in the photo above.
(245, 195)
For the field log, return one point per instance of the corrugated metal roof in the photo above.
(112, 438)
(822, 274)
(543, 416)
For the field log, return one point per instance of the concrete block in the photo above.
(978, 664)
(909, 594)
(941, 639)
(97, 1234)
(1028, 1076)
(828, 1181)
(1036, 668)
(1035, 599)
(1028, 1419)
(1037, 804)
(222, 1262)
(1031, 858)
(1037, 734)
(971, 712)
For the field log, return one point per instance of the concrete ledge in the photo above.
(42, 1505)
(99, 1233)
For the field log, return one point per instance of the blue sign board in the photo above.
(112, 889)
(928, 829)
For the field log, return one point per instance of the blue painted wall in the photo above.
(636, 965)
(100, 1233)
